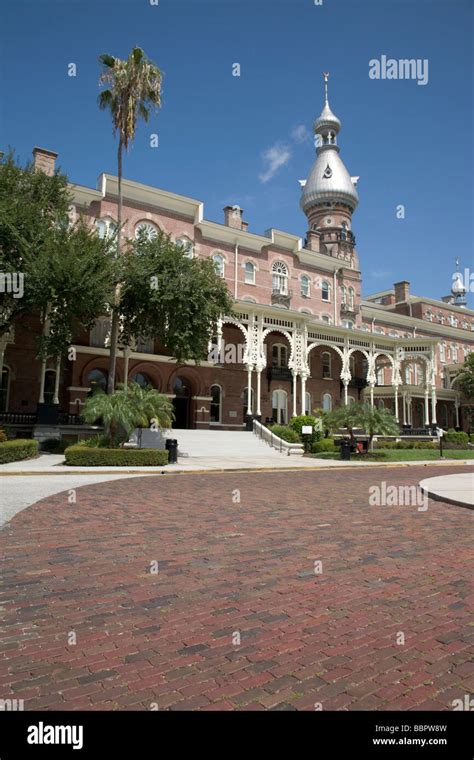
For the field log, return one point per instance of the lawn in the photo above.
(402, 455)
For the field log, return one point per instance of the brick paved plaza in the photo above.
(85, 571)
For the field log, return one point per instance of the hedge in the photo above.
(461, 439)
(282, 431)
(326, 444)
(96, 457)
(20, 448)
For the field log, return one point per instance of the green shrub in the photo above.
(3, 436)
(285, 432)
(296, 423)
(325, 444)
(406, 445)
(462, 439)
(471, 438)
(86, 456)
(96, 442)
(20, 448)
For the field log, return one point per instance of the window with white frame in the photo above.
(219, 264)
(326, 319)
(454, 353)
(408, 375)
(325, 290)
(186, 245)
(348, 324)
(106, 227)
(100, 332)
(442, 352)
(249, 273)
(280, 406)
(279, 355)
(307, 403)
(305, 285)
(380, 375)
(147, 230)
(326, 364)
(351, 298)
(327, 402)
(280, 277)
(343, 291)
(429, 315)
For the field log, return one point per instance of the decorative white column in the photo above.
(396, 402)
(126, 358)
(303, 394)
(258, 411)
(249, 389)
(404, 402)
(371, 394)
(427, 407)
(456, 408)
(433, 404)
(42, 379)
(56, 382)
(345, 394)
(294, 393)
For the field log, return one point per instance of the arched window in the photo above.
(4, 389)
(49, 381)
(351, 298)
(408, 375)
(249, 299)
(308, 406)
(380, 403)
(325, 290)
(219, 264)
(454, 353)
(326, 364)
(344, 231)
(280, 277)
(216, 403)
(147, 230)
(305, 286)
(186, 245)
(279, 406)
(442, 352)
(352, 365)
(326, 319)
(249, 274)
(97, 380)
(343, 291)
(327, 402)
(279, 355)
(142, 380)
(106, 227)
(380, 375)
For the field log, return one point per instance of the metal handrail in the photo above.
(275, 442)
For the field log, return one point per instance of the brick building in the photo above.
(304, 338)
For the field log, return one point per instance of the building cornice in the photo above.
(382, 316)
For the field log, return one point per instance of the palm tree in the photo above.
(375, 421)
(133, 90)
(115, 411)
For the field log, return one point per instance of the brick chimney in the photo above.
(313, 241)
(233, 218)
(402, 291)
(44, 160)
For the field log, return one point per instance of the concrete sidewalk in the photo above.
(453, 489)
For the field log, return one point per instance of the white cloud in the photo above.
(275, 157)
(301, 134)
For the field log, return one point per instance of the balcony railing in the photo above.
(279, 373)
(18, 418)
(281, 297)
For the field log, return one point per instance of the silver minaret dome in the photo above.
(328, 179)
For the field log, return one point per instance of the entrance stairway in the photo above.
(223, 444)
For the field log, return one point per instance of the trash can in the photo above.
(171, 445)
(345, 450)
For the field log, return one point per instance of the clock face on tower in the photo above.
(328, 220)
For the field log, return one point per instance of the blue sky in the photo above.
(410, 144)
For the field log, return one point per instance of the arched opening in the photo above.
(4, 389)
(96, 380)
(327, 402)
(280, 406)
(181, 402)
(142, 380)
(216, 404)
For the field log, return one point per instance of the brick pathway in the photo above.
(228, 569)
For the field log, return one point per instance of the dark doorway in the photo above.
(181, 403)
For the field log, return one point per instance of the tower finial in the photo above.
(326, 77)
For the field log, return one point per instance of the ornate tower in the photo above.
(329, 195)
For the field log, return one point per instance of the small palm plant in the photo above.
(375, 421)
(115, 411)
(151, 407)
